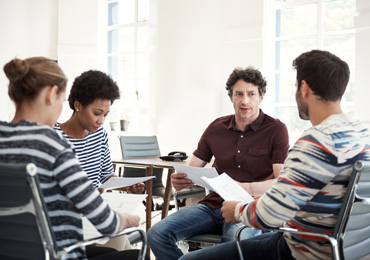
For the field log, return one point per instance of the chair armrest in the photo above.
(237, 238)
(101, 238)
(332, 240)
(174, 194)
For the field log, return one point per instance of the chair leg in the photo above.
(156, 206)
(193, 246)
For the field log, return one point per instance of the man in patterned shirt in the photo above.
(309, 192)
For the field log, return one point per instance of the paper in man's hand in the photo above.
(228, 189)
(195, 173)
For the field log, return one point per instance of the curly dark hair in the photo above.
(92, 85)
(249, 75)
(326, 74)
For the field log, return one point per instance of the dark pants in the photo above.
(107, 253)
(269, 246)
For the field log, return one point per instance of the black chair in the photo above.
(147, 146)
(351, 237)
(24, 223)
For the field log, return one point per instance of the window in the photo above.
(296, 26)
(131, 58)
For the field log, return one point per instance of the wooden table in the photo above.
(149, 164)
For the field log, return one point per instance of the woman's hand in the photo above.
(134, 189)
(128, 220)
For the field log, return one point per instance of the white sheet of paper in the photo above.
(228, 189)
(119, 182)
(196, 173)
(117, 201)
(123, 202)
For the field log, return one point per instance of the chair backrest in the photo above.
(356, 241)
(25, 226)
(140, 147)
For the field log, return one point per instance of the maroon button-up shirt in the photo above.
(246, 156)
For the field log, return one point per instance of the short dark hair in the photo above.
(326, 74)
(249, 75)
(92, 85)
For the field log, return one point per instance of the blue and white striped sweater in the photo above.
(67, 191)
(93, 154)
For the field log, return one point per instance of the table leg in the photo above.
(167, 194)
(149, 190)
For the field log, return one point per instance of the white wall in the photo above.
(81, 39)
(27, 28)
(199, 44)
(362, 89)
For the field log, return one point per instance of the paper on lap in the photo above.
(118, 202)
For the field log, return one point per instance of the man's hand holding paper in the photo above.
(194, 174)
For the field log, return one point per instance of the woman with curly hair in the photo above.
(92, 94)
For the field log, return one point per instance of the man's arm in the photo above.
(256, 189)
(179, 180)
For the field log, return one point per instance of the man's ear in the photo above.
(261, 97)
(51, 94)
(305, 89)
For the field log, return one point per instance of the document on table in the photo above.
(120, 182)
(227, 188)
(117, 201)
(196, 173)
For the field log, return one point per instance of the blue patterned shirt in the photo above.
(309, 191)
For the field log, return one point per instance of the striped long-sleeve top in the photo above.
(93, 154)
(309, 191)
(66, 189)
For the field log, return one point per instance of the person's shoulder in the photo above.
(54, 137)
(100, 132)
(223, 119)
(56, 126)
(100, 135)
(275, 122)
(57, 135)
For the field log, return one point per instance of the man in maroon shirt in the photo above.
(249, 146)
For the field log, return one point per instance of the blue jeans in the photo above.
(268, 246)
(190, 221)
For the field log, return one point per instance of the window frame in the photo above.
(140, 111)
(270, 52)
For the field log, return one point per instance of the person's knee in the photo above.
(151, 234)
(157, 233)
